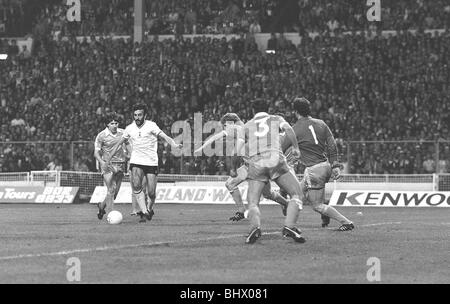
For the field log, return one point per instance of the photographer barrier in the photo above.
(173, 194)
(43, 195)
(390, 199)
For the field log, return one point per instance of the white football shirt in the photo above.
(144, 143)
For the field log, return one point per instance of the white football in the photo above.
(114, 217)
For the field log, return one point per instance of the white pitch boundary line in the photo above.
(152, 244)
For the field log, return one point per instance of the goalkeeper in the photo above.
(314, 139)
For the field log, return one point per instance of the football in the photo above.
(114, 217)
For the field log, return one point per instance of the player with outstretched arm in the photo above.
(232, 126)
(143, 136)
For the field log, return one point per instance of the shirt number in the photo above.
(313, 134)
(262, 123)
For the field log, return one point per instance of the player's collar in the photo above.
(145, 120)
(108, 132)
(260, 114)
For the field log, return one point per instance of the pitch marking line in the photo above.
(154, 244)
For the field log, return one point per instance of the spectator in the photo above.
(254, 28)
(429, 165)
(165, 163)
(272, 43)
(190, 20)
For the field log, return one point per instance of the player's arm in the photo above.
(127, 147)
(210, 140)
(98, 157)
(290, 134)
(239, 149)
(97, 150)
(170, 140)
(333, 155)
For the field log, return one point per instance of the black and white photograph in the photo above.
(224, 147)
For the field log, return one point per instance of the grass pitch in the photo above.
(198, 244)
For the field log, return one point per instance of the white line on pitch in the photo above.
(162, 243)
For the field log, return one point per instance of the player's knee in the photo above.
(320, 208)
(296, 199)
(112, 190)
(152, 195)
(231, 186)
(253, 209)
(136, 185)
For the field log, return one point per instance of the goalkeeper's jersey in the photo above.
(315, 141)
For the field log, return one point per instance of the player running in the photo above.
(314, 139)
(143, 135)
(232, 126)
(113, 171)
(267, 162)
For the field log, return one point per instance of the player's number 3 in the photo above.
(314, 134)
(262, 123)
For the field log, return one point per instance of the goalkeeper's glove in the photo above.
(336, 170)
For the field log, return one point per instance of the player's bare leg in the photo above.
(118, 182)
(290, 183)
(108, 178)
(138, 190)
(254, 215)
(317, 199)
(232, 185)
(134, 203)
(273, 195)
(110, 203)
(237, 197)
(325, 219)
(152, 180)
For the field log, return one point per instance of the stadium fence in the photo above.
(355, 154)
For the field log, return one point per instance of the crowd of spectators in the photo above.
(12, 18)
(377, 88)
(115, 17)
(351, 15)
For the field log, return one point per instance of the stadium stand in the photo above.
(18, 17)
(367, 88)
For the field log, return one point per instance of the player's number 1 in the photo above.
(314, 134)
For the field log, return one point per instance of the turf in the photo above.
(197, 244)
